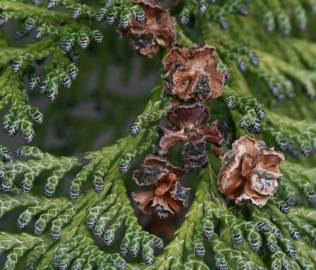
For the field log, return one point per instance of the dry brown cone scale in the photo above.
(250, 171)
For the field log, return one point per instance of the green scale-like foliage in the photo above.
(271, 57)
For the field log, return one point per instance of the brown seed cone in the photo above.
(189, 124)
(250, 171)
(192, 73)
(158, 29)
(168, 196)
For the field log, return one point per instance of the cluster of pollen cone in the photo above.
(249, 171)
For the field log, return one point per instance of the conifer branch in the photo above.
(250, 209)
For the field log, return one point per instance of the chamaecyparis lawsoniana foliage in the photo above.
(267, 57)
